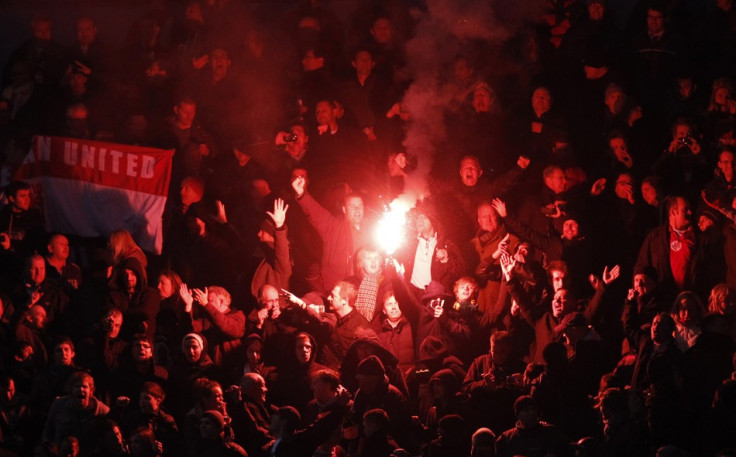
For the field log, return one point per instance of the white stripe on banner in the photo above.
(90, 210)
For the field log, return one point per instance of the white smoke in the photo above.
(440, 35)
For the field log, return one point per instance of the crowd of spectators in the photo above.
(566, 285)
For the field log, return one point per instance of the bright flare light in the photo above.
(390, 228)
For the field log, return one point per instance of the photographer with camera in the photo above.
(295, 143)
(291, 150)
(682, 164)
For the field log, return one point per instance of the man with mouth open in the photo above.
(73, 414)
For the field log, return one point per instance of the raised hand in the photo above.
(500, 207)
(399, 267)
(299, 184)
(611, 275)
(598, 187)
(507, 266)
(201, 296)
(503, 247)
(186, 296)
(279, 212)
(523, 162)
(221, 214)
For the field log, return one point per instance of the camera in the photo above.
(437, 303)
(290, 137)
(683, 148)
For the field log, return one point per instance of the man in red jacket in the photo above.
(341, 236)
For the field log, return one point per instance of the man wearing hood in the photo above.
(448, 400)
(375, 391)
(365, 344)
(138, 302)
(433, 356)
(194, 364)
(293, 385)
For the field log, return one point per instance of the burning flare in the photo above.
(390, 231)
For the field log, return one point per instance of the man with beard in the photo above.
(682, 258)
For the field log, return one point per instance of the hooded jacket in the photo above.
(139, 308)
(349, 365)
(182, 377)
(293, 385)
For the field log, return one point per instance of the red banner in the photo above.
(90, 188)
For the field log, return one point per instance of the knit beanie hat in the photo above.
(193, 336)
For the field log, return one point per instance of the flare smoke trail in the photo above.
(438, 38)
